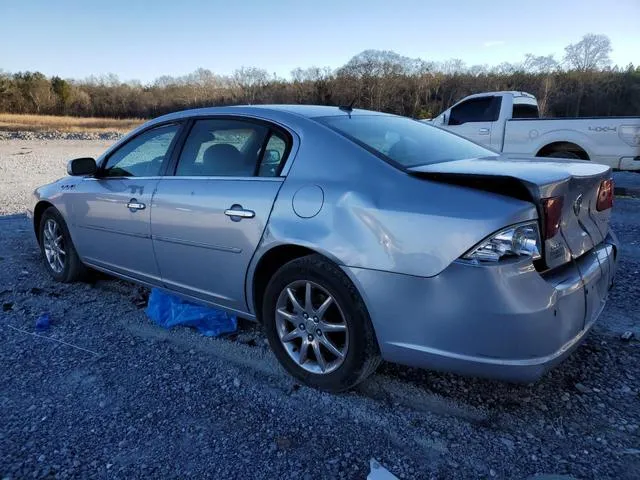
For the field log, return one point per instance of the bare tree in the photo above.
(376, 79)
(250, 80)
(590, 53)
(539, 64)
(380, 63)
(374, 73)
(311, 83)
(476, 70)
(452, 66)
(507, 68)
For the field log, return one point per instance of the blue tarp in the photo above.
(170, 310)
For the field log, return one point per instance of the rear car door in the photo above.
(474, 118)
(111, 211)
(207, 220)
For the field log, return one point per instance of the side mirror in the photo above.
(272, 156)
(82, 166)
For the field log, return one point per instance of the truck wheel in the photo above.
(318, 326)
(563, 154)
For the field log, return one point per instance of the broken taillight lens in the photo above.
(605, 195)
(552, 210)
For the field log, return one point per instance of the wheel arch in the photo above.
(563, 146)
(39, 209)
(267, 265)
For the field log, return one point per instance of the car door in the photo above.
(111, 211)
(208, 219)
(474, 118)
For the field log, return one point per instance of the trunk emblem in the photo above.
(577, 204)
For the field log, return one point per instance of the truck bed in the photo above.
(600, 137)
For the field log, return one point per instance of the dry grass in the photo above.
(13, 122)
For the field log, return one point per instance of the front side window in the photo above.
(143, 155)
(403, 141)
(485, 109)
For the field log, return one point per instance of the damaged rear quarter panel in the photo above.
(376, 216)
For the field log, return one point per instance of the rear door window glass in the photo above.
(222, 147)
(523, 110)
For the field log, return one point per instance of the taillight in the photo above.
(605, 195)
(552, 209)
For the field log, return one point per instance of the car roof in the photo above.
(266, 111)
(312, 111)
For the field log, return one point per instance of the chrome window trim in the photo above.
(295, 138)
(228, 178)
(191, 177)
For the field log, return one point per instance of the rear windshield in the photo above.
(403, 141)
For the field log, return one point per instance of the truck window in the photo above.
(524, 110)
(484, 109)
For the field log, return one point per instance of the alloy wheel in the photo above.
(312, 327)
(53, 244)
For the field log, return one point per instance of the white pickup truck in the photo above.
(509, 122)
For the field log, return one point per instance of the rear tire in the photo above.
(58, 252)
(332, 320)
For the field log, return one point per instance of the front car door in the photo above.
(474, 118)
(207, 220)
(111, 211)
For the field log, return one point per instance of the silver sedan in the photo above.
(352, 236)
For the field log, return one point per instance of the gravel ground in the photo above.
(57, 135)
(628, 183)
(27, 164)
(123, 398)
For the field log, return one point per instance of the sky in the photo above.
(143, 40)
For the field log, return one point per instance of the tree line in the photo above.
(583, 83)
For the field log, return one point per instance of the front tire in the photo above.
(58, 252)
(318, 326)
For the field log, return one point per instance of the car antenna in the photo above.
(348, 108)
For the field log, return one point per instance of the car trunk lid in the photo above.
(581, 225)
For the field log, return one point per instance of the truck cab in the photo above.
(482, 117)
(510, 122)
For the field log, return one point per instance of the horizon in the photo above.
(282, 37)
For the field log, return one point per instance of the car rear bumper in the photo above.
(500, 321)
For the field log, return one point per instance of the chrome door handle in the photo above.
(484, 131)
(239, 212)
(135, 205)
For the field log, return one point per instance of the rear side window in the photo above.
(403, 141)
(523, 110)
(221, 148)
(274, 154)
(485, 109)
